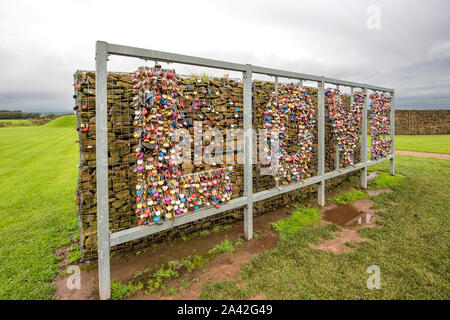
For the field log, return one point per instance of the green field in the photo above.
(37, 215)
(431, 143)
(421, 143)
(62, 122)
(38, 177)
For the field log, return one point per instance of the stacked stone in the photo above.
(422, 122)
(216, 103)
(379, 120)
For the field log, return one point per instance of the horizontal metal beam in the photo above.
(285, 74)
(219, 64)
(266, 194)
(262, 195)
(173, 57)
(144, 231)
(304, 76)
(356, 84)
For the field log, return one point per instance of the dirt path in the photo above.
(423, 154)
(222, 266)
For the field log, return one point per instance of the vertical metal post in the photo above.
(321, 141)
(336, 146)
(392, 119)
(103, 235)
(364, 140)
(277, 182)
(248, 158)
(351, 102)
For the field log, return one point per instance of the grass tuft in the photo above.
(385, 180)
(225, 246)
(349, 197)
(120, 290)
(300, 218)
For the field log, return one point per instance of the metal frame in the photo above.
(107, 239)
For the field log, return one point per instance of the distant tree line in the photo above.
(7, 114)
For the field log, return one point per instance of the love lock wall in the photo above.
(215, 103)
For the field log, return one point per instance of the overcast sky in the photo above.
(42, 43)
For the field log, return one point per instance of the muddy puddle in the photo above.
(348, 216)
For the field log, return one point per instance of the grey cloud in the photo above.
(41, 45)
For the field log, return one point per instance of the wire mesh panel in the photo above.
(343, 114)
(380, 125)
(214, 102)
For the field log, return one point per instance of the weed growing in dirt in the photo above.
(221, 227)
(226, 246)
(185, 284)
(206, 232)
(172, 291)
(120, 290)
(300, 218)
(257, 234)
(192, 263)
(349, 197)
(238, 242)
(158, 279)
(74, 254)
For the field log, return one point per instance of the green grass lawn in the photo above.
(421, 143)
(431, 143)
(62, 122)
(411, 252)
(38, 177)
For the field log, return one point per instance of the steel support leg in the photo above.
(248, 157)
(364, 139)
(321, 141)
(392, 120)
(103, 235)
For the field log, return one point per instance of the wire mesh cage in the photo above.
(219, 103)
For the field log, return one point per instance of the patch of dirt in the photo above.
(349, 217)
(260, 296)
(372, 176)
(62, 253)
(338, 244)
(423, 154)
(373, 193)
(223, 266)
